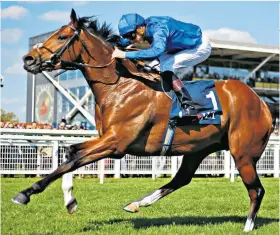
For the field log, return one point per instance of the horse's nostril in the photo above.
(29, 60)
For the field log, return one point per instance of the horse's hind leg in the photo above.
(247, 169)
(246, 147)
(182, 178)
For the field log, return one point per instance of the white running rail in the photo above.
(39, 152)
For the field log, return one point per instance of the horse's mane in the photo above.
(102, 31)
(92, 24)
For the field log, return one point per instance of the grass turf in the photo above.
(205, 206)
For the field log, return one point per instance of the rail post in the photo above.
(55, 155)
(101, 171)
(276, 161)
(227, 164)
(154, 167)
(232, 170)
(174, 161)
(117, 168)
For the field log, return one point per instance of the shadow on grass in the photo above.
(143, 223)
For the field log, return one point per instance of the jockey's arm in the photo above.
(158, 46)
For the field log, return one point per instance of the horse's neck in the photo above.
(97, 52)
(101, 80)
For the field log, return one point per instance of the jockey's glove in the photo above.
(118, 41)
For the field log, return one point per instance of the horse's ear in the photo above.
(73, 17)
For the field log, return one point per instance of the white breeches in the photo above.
(185, 58)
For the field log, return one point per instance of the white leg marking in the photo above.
(67, 186)
(150, 199)
(249, 225)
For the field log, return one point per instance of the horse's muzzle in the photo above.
(29, 60)
(34, 66)
(30, 64)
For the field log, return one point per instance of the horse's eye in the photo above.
(62, 37)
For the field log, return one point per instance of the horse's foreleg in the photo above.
(94, 150)
(182, 178)
(70, 202)
(248, 173)
(67, 187)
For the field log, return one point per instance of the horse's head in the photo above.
(64, 47)
(48, 55)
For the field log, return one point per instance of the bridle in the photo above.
(57, 55)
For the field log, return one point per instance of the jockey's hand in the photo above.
(118, 53)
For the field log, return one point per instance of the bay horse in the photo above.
(132, 116)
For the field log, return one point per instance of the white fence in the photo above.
(42, 151)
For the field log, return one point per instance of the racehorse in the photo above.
(132, 116)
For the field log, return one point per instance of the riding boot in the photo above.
(183, 96)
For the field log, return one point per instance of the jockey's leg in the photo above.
(183, 95)
(184, 59)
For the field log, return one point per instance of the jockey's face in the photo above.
(140, 34)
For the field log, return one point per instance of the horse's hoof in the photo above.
(72, 206)
(132, 207)
(21, 198)
(249, 226)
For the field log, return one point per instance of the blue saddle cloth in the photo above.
(205, 99)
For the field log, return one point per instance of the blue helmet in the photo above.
(129, 22)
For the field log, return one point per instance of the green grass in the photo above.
(206, 206)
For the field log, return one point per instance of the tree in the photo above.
(8, 116)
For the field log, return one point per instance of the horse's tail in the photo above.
(274, 110)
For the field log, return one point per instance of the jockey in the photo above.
(174, 43)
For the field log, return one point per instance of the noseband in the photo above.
(57, 55)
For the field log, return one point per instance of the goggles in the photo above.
(130, 36)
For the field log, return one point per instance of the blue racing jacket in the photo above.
(167, 35)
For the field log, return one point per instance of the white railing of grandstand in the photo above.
(40, 152)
